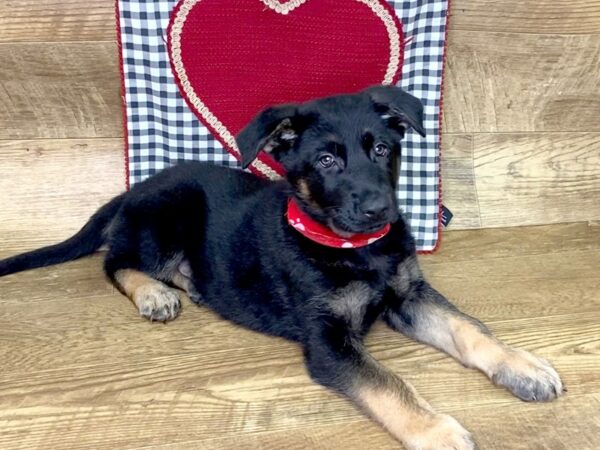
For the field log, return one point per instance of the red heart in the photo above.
(233, 58)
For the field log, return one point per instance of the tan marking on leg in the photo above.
(470, 346)
(129, 281)
(408, 417)
(154, 299)
(524, 374)
(385, 397)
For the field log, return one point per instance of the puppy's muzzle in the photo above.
(367, 213)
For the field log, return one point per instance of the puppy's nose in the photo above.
(374, 208)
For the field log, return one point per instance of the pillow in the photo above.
(195, 71)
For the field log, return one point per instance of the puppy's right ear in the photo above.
(401, 110)
(273, 130)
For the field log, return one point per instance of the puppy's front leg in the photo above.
(337, 360)
(419, 311)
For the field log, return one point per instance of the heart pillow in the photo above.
(231, 59)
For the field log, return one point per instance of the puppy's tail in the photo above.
(84, 242)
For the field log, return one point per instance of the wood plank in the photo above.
(506, 242)
(81, 370)
(64, 90)
(530, 83)
(508, 179)
(527, 431)
(492, 261)
(459, 192)
(53, 20)
(527, 179)
(67, 20)
(517, 16)
(50, 188)
(516, 83)
(352, 436)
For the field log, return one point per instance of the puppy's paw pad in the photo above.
(157, 302)
(443, 433)
(528, 377)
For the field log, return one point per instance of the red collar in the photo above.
(319, 233)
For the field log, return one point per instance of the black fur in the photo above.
(247, 263)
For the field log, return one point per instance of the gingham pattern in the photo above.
(162, 130)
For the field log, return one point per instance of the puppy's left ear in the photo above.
(399, 109)
(274, 129)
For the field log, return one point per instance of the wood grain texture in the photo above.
(359, 436)
(459, 192)
(67, 20)
(81, 370)
(495, 82)
(524, 179)
(67, 90)
(517, 16)
(516, 83)
(52, 20)
(510, 179)
(50, 188)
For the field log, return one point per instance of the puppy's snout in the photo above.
(375, 208)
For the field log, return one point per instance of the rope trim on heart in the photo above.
(201, 108)
(282, 8)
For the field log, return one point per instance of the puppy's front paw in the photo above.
(157, 302)
(442, 432)
(528, 377)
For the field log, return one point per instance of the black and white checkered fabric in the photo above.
(162, 130)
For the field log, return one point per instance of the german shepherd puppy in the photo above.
(222, 236)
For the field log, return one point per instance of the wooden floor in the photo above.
(521, 173)
(81, 370)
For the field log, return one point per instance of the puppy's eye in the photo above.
(381, 149)
(326, 160)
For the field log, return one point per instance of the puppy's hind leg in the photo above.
(153, 299)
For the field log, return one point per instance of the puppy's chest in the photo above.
(355, 303)
(358, 296)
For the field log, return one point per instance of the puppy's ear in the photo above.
(272, 130)
(399, 109)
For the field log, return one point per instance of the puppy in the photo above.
(315, 259)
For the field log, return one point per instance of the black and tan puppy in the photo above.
(223, 236)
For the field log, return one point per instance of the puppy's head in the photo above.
(340, 153)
